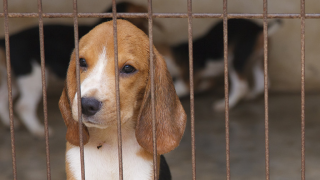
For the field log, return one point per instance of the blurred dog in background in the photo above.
(245, 55)
(25, 63)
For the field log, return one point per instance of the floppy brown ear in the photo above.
(170, 115)
(67, 95)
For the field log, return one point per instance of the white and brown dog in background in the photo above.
(99, 115)
(245, 55)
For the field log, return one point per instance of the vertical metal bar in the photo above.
(266, 100)
(226, 84)
(115, 41)
(6, 30)
(76, 43)
(154, 136)
(44, 87)
(191, 89)
(303, 89)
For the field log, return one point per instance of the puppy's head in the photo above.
(98, 93)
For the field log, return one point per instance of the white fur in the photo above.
(96, 83)
(181, 88)
(30, 87)
(4, 100)
(239, 89)
(274, 28)
(173, 69)
(103, 163)
(258, 76)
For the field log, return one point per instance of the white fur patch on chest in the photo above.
(103, 163)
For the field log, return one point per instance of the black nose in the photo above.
(90, 106)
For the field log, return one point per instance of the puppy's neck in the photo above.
(109, 136)
(101, 154)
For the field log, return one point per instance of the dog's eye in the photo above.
(83, 63)
(127, 69)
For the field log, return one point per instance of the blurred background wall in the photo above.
(284, 58)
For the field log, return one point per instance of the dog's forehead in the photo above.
(131, 40)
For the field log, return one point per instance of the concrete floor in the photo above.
(246, 142)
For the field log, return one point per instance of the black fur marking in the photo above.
(98, 147)
(164, 173)
(242, 34)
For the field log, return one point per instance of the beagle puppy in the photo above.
(98, 99)
(245, 55)
(25, 63)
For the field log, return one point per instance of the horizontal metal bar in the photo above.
(160, 15)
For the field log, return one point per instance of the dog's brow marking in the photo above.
(97, 73)
(95, 81)
(100, 66)
(102, 56)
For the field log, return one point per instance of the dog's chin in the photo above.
(91, 122)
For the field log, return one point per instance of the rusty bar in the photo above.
(261, 16)
(154, 125)
(302, 89)
(266, 100)
(312, 16)
(6, 30)
(115, 42)
(226, 85)
(76, 43)
(193, 148)
(44, 88)
(163, 15)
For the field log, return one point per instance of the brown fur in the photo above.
(259, 43)
(257, 55)
(145, 155)
(133, 49)
(2, 63)
(72, 135)
(170, 116)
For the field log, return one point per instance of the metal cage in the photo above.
(150, 15)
